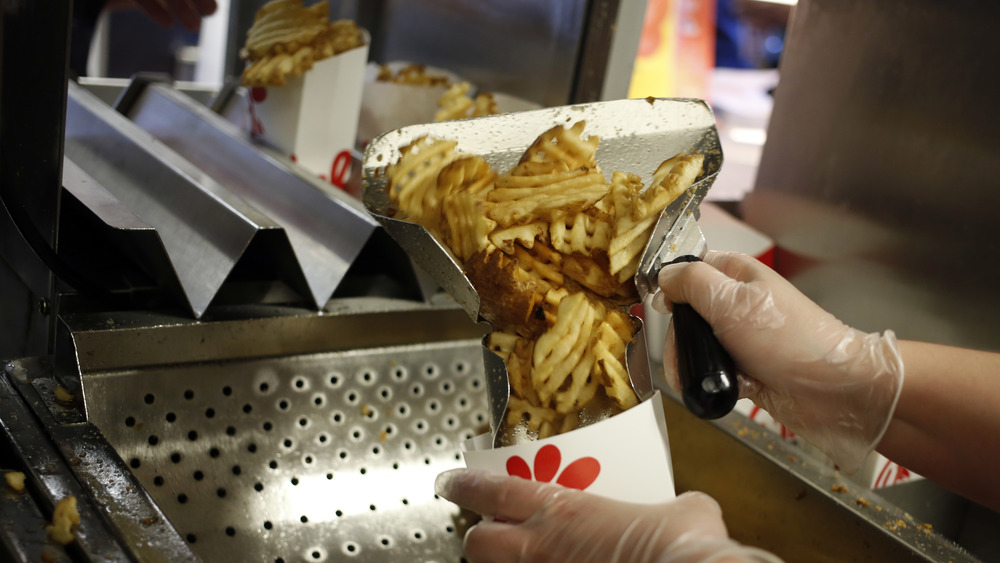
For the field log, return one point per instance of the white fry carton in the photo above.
(388, 106)
(313, 118)
(625, 457)
(877, 471)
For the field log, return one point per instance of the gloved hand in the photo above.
(549, 522)
(835, 386)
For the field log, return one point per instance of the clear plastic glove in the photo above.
(835, 386)
(549, 522)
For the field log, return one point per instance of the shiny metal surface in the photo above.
(880, 176)
(776, 496)
(108, 89)
(325, 227)
(203, 229)
(676, 232)
(63, 458)
(292, 454)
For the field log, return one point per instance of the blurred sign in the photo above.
(676, 51)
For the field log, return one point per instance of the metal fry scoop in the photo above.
(635, 136)
(706, 371)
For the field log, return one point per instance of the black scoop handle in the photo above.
(707, 374)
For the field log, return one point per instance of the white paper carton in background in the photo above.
(313, 118)
(626, 457)
(388, 106)
(877, 472)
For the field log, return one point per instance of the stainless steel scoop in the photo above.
(636, 136)
(707, 374)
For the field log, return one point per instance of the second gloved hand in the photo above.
(835, 386)
(549, 522)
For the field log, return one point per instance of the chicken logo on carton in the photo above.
(625, 457)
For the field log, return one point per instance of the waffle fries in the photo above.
(286, 39)
(413, 75)
(455, 103)
(551, 247)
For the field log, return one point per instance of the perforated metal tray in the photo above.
(309, 455)
(311, 458)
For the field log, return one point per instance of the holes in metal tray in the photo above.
(367, 376)
(334, 380)
(432, 406)
(375, 409)
(430, 371)
(352, 397)
(356, 434)
(384, 393)
(399, 373)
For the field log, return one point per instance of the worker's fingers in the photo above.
(509, 498)
(495, 542)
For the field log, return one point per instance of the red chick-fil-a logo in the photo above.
(579, 474)
(755, 413)
(890, 474)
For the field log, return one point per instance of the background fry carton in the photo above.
(625, 457)
(388, 106)
(313, 118)
(877, 471)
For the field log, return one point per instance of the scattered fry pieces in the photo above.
(15, 480)
(65, 519)
(62, 395)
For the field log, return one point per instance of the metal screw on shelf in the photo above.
(43, 306)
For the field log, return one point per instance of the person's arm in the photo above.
(947, 422)
(933, 409)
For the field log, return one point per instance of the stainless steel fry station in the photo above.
(222, 357)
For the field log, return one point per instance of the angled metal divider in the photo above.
(189, 199)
